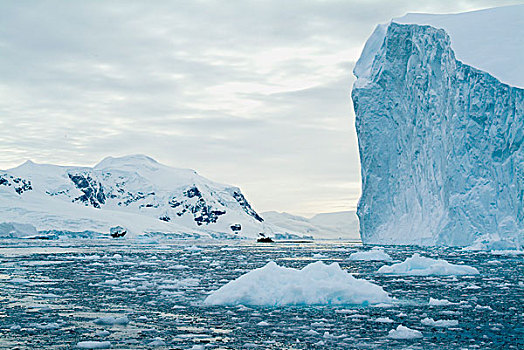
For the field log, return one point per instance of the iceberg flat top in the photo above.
(491, 40)
(315, 284)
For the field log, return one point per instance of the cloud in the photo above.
(254, 93)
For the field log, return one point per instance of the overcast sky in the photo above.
(251, 93)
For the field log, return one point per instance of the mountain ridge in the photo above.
(163, 199)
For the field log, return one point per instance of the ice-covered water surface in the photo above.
(129, 295)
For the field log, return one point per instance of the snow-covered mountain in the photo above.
(440, 120)
(133, 192)
(339, 225)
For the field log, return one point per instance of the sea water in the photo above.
(139, 295)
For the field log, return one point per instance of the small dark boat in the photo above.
(264, 239)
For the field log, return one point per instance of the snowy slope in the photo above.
(440, 133)
(323, 226)
(134, 192)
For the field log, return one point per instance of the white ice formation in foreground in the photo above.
(421, 266)
(126, 196)
(375, 254)
(439, 105)
(315, 284)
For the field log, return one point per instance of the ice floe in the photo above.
(439, 323)
(110, 320)
(315, 284)
(440, 302)
(93, 345)
(375, 254)
(18, 280)
(421, 266)
(403, 332)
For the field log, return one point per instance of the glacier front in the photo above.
(441, 130)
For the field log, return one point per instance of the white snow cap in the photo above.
(315, 284)
(491, 40)
(421, 266)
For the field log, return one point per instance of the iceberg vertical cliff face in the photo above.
(441, 144)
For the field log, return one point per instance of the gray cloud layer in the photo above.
(254, 93)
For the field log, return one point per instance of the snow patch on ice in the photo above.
(489, 39)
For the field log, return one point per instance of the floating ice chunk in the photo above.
(112, 282)
(102, 333)
(89, 257)
(110, 320)
(46, 326)
(383, 320)
(178, 267)
(48, 296)
(440, 302)
(403, 332)
(44, 309)
(178, 284)
(262, 324)
(193, 249)
(93, 345)
(375, 254)
(157, 342)
(421, 266)
(507, 252)
(439, 323)
(319, 256)
(19, 281)
(315, 284)
(482, 307)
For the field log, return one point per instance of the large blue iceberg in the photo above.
(440, 140)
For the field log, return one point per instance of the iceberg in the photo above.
(439, 105)
(315, 284)
(421, 266)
